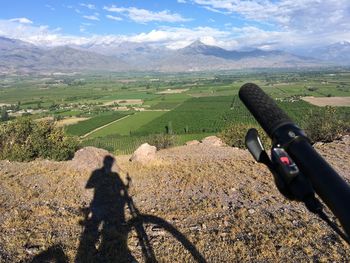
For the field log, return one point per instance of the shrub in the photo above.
(162, 141)
(24, 139)
(234, 135)
(324, 125)
(4, 115)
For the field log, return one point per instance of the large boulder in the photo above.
(144, 154)
(193, 142)
(213, 141)
(91, 158)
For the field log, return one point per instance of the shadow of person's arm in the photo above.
(129, 181)
(91, 183)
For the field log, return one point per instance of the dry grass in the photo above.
(70, 121)
(328, 101)
(218, 197)
(172, 91)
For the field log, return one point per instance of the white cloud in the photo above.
(89, 6)
(115, 18)
(295, 22)
(144, 16)
(50, 7)
(182, 1)
(310, 15)
(231, 37)
(172, 37)
(22, 20)
(178, 37)
(82, 28)
(92, 17)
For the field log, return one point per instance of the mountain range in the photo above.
(19, 56)
(338, 53)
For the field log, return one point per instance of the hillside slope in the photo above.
(16, 55)
(217, 201)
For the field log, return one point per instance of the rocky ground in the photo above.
(190, 203)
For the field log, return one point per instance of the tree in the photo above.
(4, 115)
(24, 139)
(169, 128)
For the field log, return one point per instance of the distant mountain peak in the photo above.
(198, 47)
(197, 43)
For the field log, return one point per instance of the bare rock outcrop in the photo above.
(144, 154)
(213, 140)
(193, 142)
(91, 158)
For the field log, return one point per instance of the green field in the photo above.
(193, 116)
(128, 125)
(84, 127)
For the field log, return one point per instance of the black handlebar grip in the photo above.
(263, 108)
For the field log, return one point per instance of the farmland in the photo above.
(119, 111)
(86, 126)
(128, 125)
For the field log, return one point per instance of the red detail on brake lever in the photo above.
(285, 160)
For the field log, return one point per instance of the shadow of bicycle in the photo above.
(105, 234)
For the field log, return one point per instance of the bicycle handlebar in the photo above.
(263, 108)
(327, 183)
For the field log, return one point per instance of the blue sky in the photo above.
(232, 24)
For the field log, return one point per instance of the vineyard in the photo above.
(212, 114)
(86, 126)
(195, 115)
(128, 125)
(196, 118)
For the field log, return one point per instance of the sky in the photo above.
(231, 24)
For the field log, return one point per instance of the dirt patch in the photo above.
(328, 101)
(172, 91)
(126, 80)
(70, 121)
(204, 94)
(121, 108)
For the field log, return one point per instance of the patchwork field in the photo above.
(187, 105)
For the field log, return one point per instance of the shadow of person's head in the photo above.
(108, 162)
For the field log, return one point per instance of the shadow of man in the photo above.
(106, 212)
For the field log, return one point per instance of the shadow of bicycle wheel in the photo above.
(150, 219)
